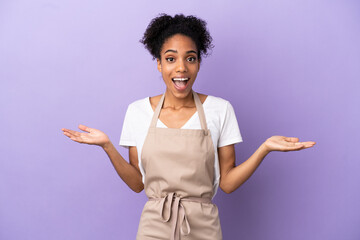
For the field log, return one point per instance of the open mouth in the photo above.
(180, 83)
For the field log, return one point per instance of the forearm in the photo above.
(238, 175)
(127, 172)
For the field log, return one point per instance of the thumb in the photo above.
(84, 128)
(292, 139)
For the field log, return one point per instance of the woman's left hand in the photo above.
(285, 144)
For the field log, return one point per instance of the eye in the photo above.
(169, 59)
(191, 59)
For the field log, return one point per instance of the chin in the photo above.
(182, 94)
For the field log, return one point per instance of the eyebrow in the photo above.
(174, 51)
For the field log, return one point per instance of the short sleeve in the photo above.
(127, 137)
(229, 132)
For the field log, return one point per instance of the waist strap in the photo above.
(176, 227)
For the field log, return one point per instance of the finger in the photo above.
(74, 138)
(65, 130)
(292, 139)
(84, 128)
(305, 145)
(70, 135)
(309, 144)
(73, 133)
(77, 139)
(295, 147)
(290, 144)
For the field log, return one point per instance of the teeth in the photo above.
(180, 79)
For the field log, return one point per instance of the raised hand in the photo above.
(91, 136)
(285, 144)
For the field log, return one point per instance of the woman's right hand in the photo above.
(91, 136)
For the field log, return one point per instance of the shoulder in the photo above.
(202, 97)
(154, 100)
(217, 102)
(218, 108)
(139, 103)
(138, 113)
(138, 106)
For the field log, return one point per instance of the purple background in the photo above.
(289, 68)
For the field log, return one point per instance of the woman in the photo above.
(181, 143)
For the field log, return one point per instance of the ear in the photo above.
(158, 64)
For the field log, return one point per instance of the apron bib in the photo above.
(179, 177)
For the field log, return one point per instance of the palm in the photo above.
(285, 144)
(92, 136)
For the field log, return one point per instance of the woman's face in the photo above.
(179, 64)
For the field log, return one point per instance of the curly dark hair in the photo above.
(165, 26)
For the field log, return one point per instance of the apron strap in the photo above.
(199, 108)
(157, 112)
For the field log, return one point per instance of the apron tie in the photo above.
(170, 199)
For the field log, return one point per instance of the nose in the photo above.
(181, 66)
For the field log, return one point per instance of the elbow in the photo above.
(138, 189)
(226, 188)
(228, 191)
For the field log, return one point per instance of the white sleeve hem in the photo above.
(230, 141)
(126, 144)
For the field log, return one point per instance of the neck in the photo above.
(171, 101)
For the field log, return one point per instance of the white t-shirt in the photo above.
(220, 119)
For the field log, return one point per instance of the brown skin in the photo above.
(179, 59)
